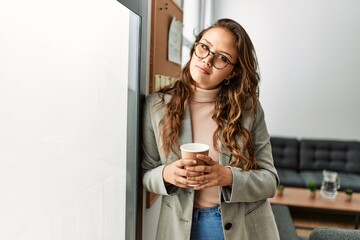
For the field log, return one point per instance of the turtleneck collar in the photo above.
(204, 95)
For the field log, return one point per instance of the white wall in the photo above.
(150, 218)
(309, 55)
(63, 106)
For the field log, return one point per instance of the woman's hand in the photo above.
(210, 175)
(176, 173)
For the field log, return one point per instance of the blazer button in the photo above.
(228, 226)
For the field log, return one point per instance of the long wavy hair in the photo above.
(240, 95)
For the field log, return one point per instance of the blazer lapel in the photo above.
(185, 135)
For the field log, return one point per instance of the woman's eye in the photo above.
(223, 58)
(204, 47)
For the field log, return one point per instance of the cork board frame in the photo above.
(163, 12)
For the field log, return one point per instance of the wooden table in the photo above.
(300, 198)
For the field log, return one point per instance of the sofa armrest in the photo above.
(334, 234)
(284, 222)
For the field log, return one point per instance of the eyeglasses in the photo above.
(219, 61)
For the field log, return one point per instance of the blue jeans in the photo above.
(206, 224)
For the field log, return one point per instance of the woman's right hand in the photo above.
(176, 174)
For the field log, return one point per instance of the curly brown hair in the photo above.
(240, 95)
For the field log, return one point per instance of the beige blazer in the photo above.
(246, 213)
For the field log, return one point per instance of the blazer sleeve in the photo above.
(153, 162)
(255, 185)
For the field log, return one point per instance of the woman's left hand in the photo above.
(214, 173)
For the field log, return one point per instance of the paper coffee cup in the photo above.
(189, 151)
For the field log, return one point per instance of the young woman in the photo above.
(215, 102)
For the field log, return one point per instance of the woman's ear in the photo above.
(231, 75)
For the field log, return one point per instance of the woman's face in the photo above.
(219, 41)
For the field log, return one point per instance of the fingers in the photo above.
(216, 175)
(177, 174)
(200, 178)
(190, 174)
(185, 173)
(187, 178)
(204, 185)
(199, 168)
(181, 163)
(208, 160)
(184, 183)
(205, 181)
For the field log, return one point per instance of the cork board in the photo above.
(163, 12)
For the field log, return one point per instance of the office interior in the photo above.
(72, 77)
(308, 54)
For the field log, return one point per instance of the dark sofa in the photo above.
(334, 234)
(300, 161)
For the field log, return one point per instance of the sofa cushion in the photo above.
(349, 180)
(312, 176)
(285, 152)
(291, 178)
(339, 156)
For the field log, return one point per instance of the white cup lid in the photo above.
(195, 147)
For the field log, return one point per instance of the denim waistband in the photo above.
(207, 224)
(204, 212)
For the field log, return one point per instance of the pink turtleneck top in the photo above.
(203, 127)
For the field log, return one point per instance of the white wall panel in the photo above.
(63, 107)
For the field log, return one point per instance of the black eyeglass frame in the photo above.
(213, 56)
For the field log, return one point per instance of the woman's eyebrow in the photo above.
(208, 42)
(223, 52)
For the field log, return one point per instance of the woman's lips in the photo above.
(203, 70)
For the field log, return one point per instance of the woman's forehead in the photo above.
(219, 35)
(220, 38)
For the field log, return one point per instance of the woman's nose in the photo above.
(208, 60)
